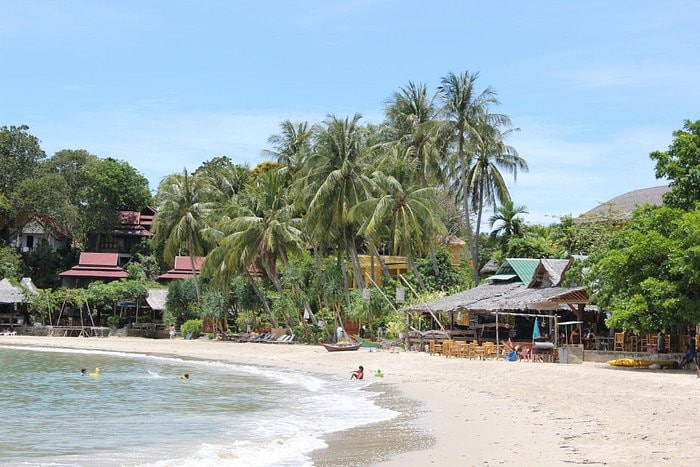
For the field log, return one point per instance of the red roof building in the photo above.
(183, 268)
(92, 267)
(131, 228)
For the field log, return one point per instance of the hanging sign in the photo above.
(366, 294)
(400, 294)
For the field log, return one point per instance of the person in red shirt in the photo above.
(358, 374)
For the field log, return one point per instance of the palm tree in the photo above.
(185, 209)
(411, 114)
(464, 108)
(406, 215)
(336, 176)
(507, 222)
(492, 155)
(264, 230)
(291, 145)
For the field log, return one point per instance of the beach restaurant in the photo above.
(522, 290)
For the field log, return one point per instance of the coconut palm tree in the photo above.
(336, 175)
(406, 215)
(291, 145)
(507, 222)
(185, 210)
(463, 109)
(411, 114)
(492, 156)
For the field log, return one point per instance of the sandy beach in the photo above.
(470, 412)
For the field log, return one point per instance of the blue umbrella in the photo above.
(536, 330)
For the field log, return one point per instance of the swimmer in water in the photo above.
(185, 376)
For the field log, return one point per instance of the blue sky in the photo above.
(593, 86)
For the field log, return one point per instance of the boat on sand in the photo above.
(343, 346)
(638, 363)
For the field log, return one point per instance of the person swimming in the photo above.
(83, 372)
(185, 376)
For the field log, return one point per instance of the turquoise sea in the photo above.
(139, 412)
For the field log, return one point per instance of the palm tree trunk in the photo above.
(262, 298)
(470, 236)
(382, 264)
(319, 270)
(352, 252)
(194, 273)
(346, 281)
(412, 266)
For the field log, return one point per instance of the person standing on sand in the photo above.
(172, 332)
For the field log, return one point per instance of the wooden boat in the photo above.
(342, 347)
(637, 363)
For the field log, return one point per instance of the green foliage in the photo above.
(181, 304)
(213, 305)
(103, 296)
(20, 155)
(649, 279)
(191, 328)
(583, 238)
(136, 272)
(10, 264)
(43, 304)
(43, 265)
(531, 247)
(447, 278)
(114, 321)
(681, 165)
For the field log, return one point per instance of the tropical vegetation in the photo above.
(284, 241)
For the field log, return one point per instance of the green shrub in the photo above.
(115, 321)
(192, 328)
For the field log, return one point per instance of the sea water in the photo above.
(138, 411)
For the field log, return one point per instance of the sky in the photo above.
(593, 86)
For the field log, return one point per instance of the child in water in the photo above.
(358, 374)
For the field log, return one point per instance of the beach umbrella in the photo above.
(536, 330)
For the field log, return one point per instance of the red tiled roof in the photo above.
(97, 265)
(183, 268)
(134, 223)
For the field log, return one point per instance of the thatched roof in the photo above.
(549, 272)
(10, 293)
(620, 207)
(156, 299)
(504, 297)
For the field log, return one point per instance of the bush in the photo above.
(192, 328)
(115, 321)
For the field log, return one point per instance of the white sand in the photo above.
(491, 412)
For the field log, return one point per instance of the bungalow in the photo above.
(29, 232)
(93, 267)
(183, 268)
(131, 228)
(13, 302)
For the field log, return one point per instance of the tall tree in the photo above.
(492, 155)
(681, 165)
(337, 178)
(407, 215)
(411, 113)
(185, 205)
(291, 145)
(507, 222)
(464, 108)
(20, 155)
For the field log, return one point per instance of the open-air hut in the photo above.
(521, 287)
(13, 302)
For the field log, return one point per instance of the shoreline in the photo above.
(479, 412)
